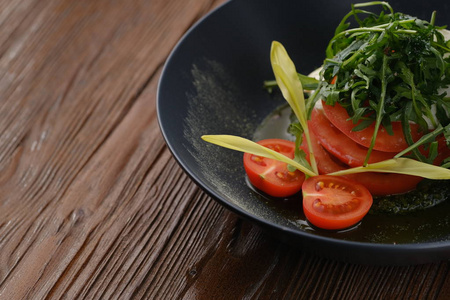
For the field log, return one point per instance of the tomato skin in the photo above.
(377, 183)
(339, 117)
(340, 145)
(333, 202)
(271, 176)
(383, 184)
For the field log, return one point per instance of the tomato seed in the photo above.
(258, 160)
(319, 186)
(318, 206)
(336, 209)
(280, 175)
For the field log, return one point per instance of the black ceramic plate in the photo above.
(212, 84)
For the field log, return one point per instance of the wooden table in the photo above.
(92, 203)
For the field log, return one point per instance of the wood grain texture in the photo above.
(92, 204)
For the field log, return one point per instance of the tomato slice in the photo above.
(272, 176)
(340, 145)
(333, 202)
(377, 183)
(339, 117)
(381, 184)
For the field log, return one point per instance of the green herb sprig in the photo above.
(393, 67)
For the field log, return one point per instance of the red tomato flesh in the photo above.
(339, 117)
(272, 176)
(377, 183)
(340, 145)
(332, 202)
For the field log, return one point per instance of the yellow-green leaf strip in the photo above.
(401, 165)
(292, 90)
(245, 145)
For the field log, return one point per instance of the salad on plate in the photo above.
(373, 120)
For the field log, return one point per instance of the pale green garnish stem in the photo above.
(292, 90)
(401, 165)
(241, 144)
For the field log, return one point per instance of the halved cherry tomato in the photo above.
(339, 117)
(272, 176)
(340, 145)
(377, 183)
(333, 202)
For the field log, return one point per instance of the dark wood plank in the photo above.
(80, 142)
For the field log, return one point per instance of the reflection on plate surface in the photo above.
(212, 84)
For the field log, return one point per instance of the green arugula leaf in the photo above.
(391, 65)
